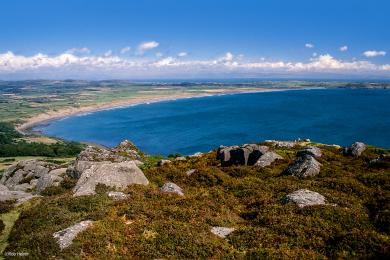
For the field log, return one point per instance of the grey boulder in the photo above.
(356, 149)
(304, 166)
(117, 195)
(246, 154)
(267, 159)
(310, 150)
(116, 175)
(65, 237)
(304, 197)
(10, 195)
(163, 162)
(171, 187)
(222, 232)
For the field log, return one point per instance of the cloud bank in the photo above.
(71, 65)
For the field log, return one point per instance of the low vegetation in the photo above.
(12, 144)
(150, 224)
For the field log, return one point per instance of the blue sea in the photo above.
(186, 126)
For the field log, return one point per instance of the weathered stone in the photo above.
(180, 158)
(222, 232)
(129, 149)
(21, 175)
(304, 166)
(118, 175)
(355, 149)
(190, 172)
(267, 159)
(117, 195)
(163, 162)
(47, 181)
(246, 154)
(10, 195)
(310, 150)
(304, 198)
(65, 237)
(170, 187)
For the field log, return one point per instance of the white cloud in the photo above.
(83, 50)
(315, 54)
(125, 49)
(147, 46)
(70, 65)
(343, 48)
(182, 54)
(108, 53)
(370, 54)
(309, 45)
(159, 54)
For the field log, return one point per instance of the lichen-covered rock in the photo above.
(303, 166)
(24, 174)
(117, 195)
(118, 175)
(92, 155)
(356, 149)
(171, 187)
(180, 158)
(246, 154)
(65, 237)
(310, 150)
(304, 198)
(47, 181)
(267, 159)
(222, 232)
(18, 195)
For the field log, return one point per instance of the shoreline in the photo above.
(26, 127)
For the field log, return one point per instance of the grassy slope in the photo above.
(151, 224)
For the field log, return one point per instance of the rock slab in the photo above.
(116, 175)
(65, 237)
(222, 232)
(171, 187)
(304, 166)
(267, 159)
(304, 198)
(356, 149)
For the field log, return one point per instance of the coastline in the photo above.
(25, 127)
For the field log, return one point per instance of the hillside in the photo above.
(147, 221)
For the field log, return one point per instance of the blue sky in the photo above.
(177, 38)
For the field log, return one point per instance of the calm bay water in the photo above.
(333, 116)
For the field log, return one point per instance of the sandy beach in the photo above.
(71, 111)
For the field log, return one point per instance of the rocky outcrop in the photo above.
(27, 175)
(170, 187)
(222, 232)
(190, 172)
(356, 149)
(304, 198)
(310, 150)
(65, 237)
(267, 159)
(14, 195)
(246, 154)
(116, 175)
(91, 155)
(282, 144)
(303, 166)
